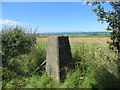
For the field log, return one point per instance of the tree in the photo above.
(112, 17)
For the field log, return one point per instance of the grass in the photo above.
(92, 68)
(89, 35)
(79, 35)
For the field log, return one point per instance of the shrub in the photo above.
(15, 42)
(25, 64)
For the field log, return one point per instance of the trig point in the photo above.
(58, 56)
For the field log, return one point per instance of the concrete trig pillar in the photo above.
(58, 56)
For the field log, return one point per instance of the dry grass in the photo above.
(101, 41)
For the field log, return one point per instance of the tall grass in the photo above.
(92, 69)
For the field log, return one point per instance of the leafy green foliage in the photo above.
(12, 78)
(7, 74)
(92, 69)
(15, 42)
(17, 55)
(25, 64)
(113, 19)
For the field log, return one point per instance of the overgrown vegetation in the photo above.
(92, 69)
(20, 54)
(15, 42)
(112, 17)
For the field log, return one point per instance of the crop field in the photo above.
(99, 41)
(79, 35)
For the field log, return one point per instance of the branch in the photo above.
(106, 54)
(39, 66)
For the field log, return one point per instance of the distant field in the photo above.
(99, 41)
(89, 35)
(79, 35)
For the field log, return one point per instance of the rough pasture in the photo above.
(101, 41)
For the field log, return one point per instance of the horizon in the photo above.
(99, 32)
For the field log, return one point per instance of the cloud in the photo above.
(8, 22)
(87, 3)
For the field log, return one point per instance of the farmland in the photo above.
(85, 40)
(78, 35)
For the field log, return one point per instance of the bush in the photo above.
(15, 42)
(25, 64)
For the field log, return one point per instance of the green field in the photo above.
(79, 35)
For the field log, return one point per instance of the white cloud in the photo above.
(8, 22)
(87, 3)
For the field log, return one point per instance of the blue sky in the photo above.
(52, 16)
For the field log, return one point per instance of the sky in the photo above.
(52, 16)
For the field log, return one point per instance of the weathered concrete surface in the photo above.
(58, 56)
